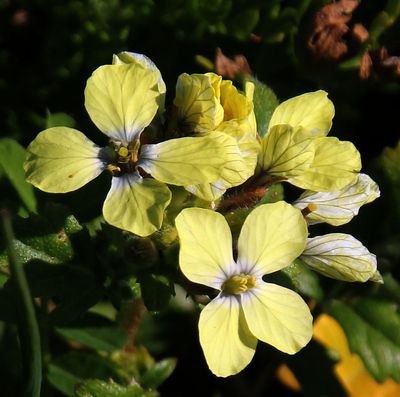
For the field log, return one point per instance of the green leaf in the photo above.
(3, 278)
(156, 375)
(67, 371)
(300, 278)
(12, 157)
(390, 160)
(28, 328)
(304, 280)
(75, 288)
(265, 102)
(97, 333)
(44, 239)
(59, 120)
(27, 253)
(156, 291)
(97, 388)
(390, 288)
(243, 24)
(62, 379)
(372, 328)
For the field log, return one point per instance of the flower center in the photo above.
(125, 157)
(238, 284)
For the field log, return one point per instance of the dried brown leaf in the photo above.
(331, 38)
(231, 68)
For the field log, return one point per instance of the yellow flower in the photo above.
(296, 148)
(246, 308)
(207, 105)
(350, 370)
(122, 100)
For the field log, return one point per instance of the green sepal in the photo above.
(265, 102)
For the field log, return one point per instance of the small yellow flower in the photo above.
(246, 308)
(208, 105)
(122, 100)
(297, 150)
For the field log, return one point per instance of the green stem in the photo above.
(27, 323)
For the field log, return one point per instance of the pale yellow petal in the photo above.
(377, 278)
(197, 100)
(272, 236)
(205, 255)
(233, 173)
(215, 81)
(237, 106)
(122, 99)
(136, 204)
(339, 256)
(246, 138)
(126, 57)
(191, 160)
(286, 152)
(312, 111)
(335, 165)
(62, 159)
(208, 191)
(340, 206)
(227, 343)
(277, 316)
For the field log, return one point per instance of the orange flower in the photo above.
(350, 370)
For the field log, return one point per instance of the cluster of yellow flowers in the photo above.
(208, 143)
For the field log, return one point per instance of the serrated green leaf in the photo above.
(371, 327)
(42, 239)
(27, 253)
(156, 375)
(97, 388)
(265, 102)
(12, 157)
(156, 291)
(97, 333)
(67, 371)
